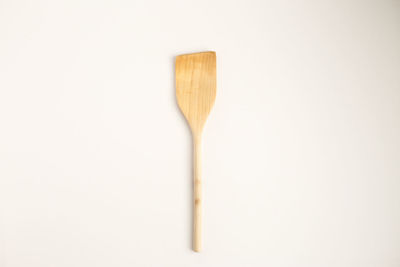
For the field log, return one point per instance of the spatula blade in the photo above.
(196, 86)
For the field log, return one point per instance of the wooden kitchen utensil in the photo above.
(195, 91)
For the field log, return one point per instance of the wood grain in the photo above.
(195, 92)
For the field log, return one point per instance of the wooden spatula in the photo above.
(195, 91)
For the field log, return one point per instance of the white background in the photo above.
(301, 153)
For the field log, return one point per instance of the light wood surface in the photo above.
(195, 92)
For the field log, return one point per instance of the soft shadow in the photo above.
(189, 163)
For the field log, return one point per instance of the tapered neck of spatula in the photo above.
(196, 137)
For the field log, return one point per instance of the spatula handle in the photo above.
(197, 196)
